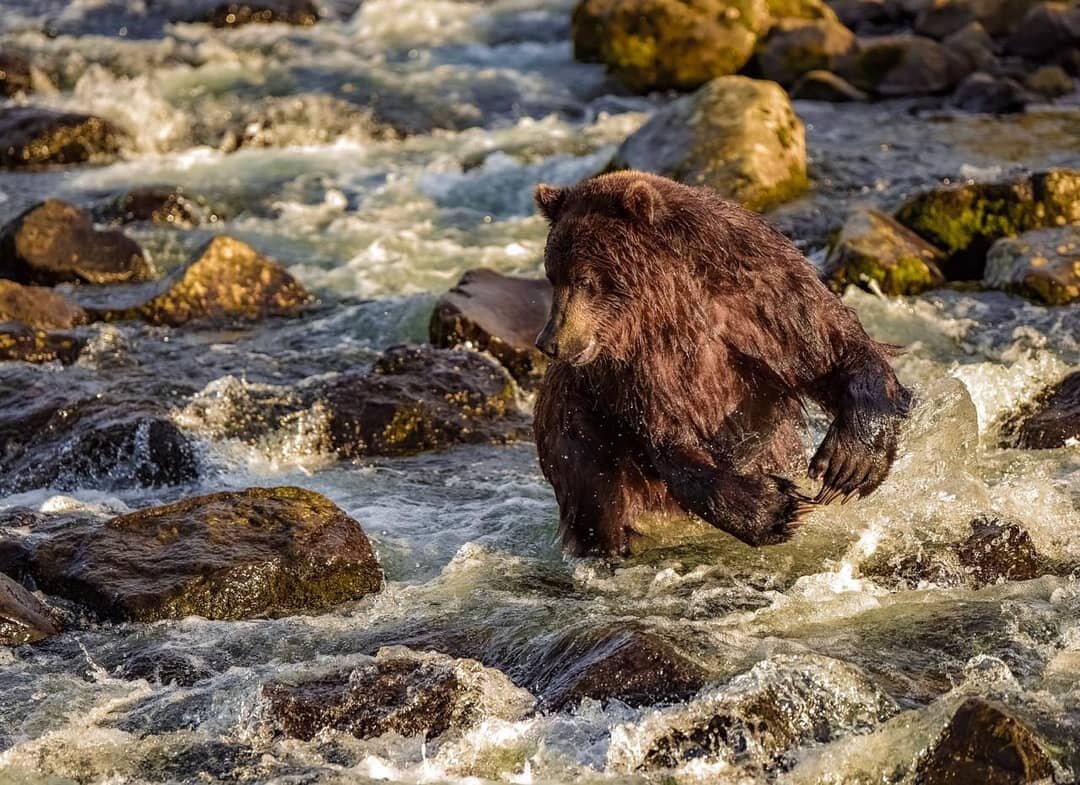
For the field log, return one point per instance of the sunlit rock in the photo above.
(229, 555)
(1050, 81)
(1051, 420)
(54, 242)
(736, 135)
(33, 136)
(1042, 264)
(497, 314)
(872, 247)
(826, 86)
(801, 9)
(667, 44)
(19, 342)
(23, 617)
(38, 306)
(398, 691)
(159, 205)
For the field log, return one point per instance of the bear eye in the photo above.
(587, 284)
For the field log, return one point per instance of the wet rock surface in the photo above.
(15, 74)
(794, 47)
(22, 343)
(873, 247)
(228, 555)
(826, 86)
(399, 691)
(292, 12)
(38, 306)
(999, 551)
(497, 314)
(55, 241)
(982, 92)
(1042, 264)
(1051, 420)
(158, 205)
(23, 617)
(736, 135)
(33, 136)
(984, 743)
(903, 65)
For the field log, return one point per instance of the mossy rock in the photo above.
(497, 314)
(32, 136)
(55, 242)
(795, 47)
(1043, 264)
(23, 617)
(21, 343)
(873, 247)
(668, 44)
(38, 306)
(226, 281)
(229, 555)
(736, 135)
(964, 221)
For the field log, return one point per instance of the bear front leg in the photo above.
(759, 509)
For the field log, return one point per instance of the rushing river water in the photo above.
(381, 154)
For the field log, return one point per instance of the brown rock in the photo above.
(1052, 419)
(37, 306)
(15, 74)
(23, 617)
(1050, 81)
(496, 314)
(55, 242)
(153, 204)
(988, 94)
(794, 47)
(1043, 264)
(973, 44)
(1046, 30)
(292, 12)
(27, 344)
(32, 136)
(898, 65)
(230, 555)
(873, 247)
(997, 551)
(826, 86)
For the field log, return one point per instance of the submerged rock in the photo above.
(54, 242)
(899, 65)
(778, 705)
(497, 314)
(16, 75)
(632, 666)
(965, 220)
(1051, 420)
(999, 551)
(795, 47)
(874, 247)
(37, 306)
(736, 135)
(33, 136)
(984, 744)
(418, 398)
(291, 12)
(399, 691)
(158, 205)
(19, 342)
(23, 617)
(1043, 264)
(226, 281)
(668, 44)
(229, 555)
(826, 86)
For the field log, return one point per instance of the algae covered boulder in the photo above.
(965, 220)
(20, 342)
(1043, 264)
(497, 314)
(398, 691)
(668, 44)
(900, 65)
(55, 242)
(795, 47)
(738, 136)
(38, 306)
(23, 617)
(1051, 421)
(873, 247)
(417, 398)
(227, 281)
(33, 136)
(229, 555)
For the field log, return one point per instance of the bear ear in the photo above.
(550, 199)
(643, 201)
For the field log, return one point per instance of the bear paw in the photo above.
(850, 466)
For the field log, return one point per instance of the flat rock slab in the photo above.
(1051, 421)
(497, 314)
(55, 242)
(32, 136)
(23, 617)
(229, 555)
(38, 306)
(409, 693)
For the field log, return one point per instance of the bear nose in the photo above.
(546, 343)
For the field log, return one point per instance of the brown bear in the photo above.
(684, 333)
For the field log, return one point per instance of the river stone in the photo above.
(801, 9)
(15, 74)
(33, 136)
(1050, 81)
(738, 136)
(873, 247)
(418, 398)
(973, 44)
(965, 220)
(865, 16)
(632, 666)
(399, 691)
(226, 281)
(158, 205)
(23, 617)
(1043, 264)
(779, 704)
(229, 555)
(1051, 420)
(19, 342)
(497, 314)
(998, 551)
(794, 47)
(899, 65)
(37, 306)
(668, 44)
(54, 242)
(984, 744)
(1045, 31)
(292, 12)
(987, 94)
(826, 86)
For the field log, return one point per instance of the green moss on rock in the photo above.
(873, 247)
